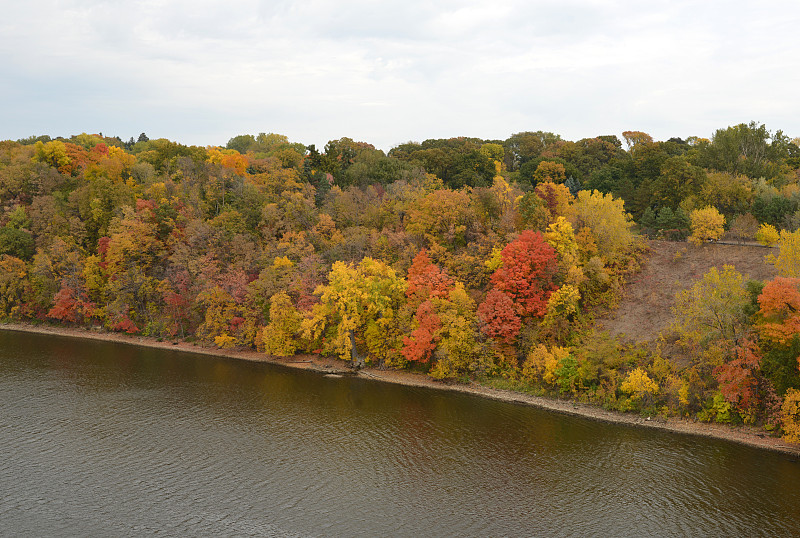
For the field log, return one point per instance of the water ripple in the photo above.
(184, 445)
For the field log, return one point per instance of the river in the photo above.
(108, 439)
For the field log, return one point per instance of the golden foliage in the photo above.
(541, 364)
(638, 384)
(225, 341)
(788, 261)
(609, 223)
(279, 337)
(563, 302)
(707, 224)
(767, 235)
(457, 351)
(359, 304)
(13, 278)
(791, 416)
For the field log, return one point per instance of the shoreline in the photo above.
(745, 435)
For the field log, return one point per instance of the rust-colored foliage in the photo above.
(637, 139)
(556, 196)
(70, 305)
(526, 276)
(420, 345)
(80, 158)
(426, 280)
(125, 325)
(780, 309)
(177, 311)
(738, 378)
(498, 317)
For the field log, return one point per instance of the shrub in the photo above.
(767, 235)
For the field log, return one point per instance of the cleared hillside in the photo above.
(646, 306)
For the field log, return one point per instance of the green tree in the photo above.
(748, 149)
(677, 181)
(714, 308)
(16, 242)
(730, 194)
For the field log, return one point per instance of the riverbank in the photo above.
(326, 366)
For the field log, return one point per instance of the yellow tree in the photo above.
(13, 283)
(279, 337)
(357, 315)
(714, 307)
(495, 152)
(767, 235)
(53, 153)
(608, 222)
(457, 352)
(707, 224)
(220, 310)
(791, 416)
(549, 171)
(561, 308)
(441, 217)
(731, 194)
(228, 158)
(504, 198)
(131, 258)
(638, 384)
(556, 197)
(711, 318)
(541, 364)
(561, 236)
(788, 261)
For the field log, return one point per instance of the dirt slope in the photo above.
(646, 306)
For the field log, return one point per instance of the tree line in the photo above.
(463, 258)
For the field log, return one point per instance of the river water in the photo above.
(106, 439)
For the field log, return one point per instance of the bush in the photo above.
(717, 409)
(767, 235)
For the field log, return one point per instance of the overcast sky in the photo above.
(386, 72)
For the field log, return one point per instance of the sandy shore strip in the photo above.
(746, 435)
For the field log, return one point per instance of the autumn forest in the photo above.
(465, 259)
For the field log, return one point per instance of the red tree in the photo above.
(738, 378)
(426, 280)
(125, 324)
(498, 317)
(70, 305)
(526, 276)
(420, 345)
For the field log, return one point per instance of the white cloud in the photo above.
(386, 72)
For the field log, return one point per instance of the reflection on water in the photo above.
(104, 439)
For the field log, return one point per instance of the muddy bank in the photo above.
(739, 434)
